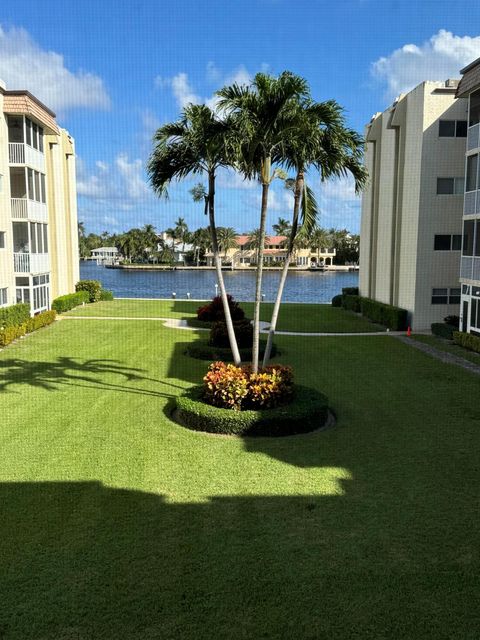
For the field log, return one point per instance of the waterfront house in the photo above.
(38, 203)
(105, 255)
(178, 248)
(244, 254)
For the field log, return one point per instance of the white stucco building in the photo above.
(412, 209)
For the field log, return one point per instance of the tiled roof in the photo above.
(22, 102)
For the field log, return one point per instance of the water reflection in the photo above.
(301, 286)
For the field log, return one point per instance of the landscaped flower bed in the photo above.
(234, 400)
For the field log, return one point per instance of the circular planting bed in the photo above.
(307, 411)
(204, 351)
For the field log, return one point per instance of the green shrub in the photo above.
(239, 388)
(41, 320)
(243, 332)
(201, 350)
(467, 340)
(442, 330)
(350, 291)
(351, 303)
(337, 300)
(15, 315)
(69, 301)
(93, 287)
(11, 333)
(307, 411)
(105, 295)
(214, 310)
(454, 321)
(392, 317)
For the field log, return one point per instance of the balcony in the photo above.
(26, 209)
(473, 137)
(20, 153)
(31, 262)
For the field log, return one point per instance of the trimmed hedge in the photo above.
(467, 340)
(306, 412)
(350, 291)
(392, 317)
(41, 320)
(11, 333)
(93, 287)
(69, 301)
(15, 315)
(105, 295)
(442, 330)
(201, 350)
(352, 303)
(337, 300)
(243, 330)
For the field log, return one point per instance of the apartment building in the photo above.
(38, 210)
(244, 254)
(411, 228)
(469, 89)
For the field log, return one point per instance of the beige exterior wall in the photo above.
(60, 264)
(7, 280)
(401, 211)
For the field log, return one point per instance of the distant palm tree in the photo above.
(199, 143)
(282, 227)
(181, 232)
(227, 239)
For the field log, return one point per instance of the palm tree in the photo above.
(197, 143)
(264, 115)
(254, 242)
(201, 242)
(181, 232)
(319, 140)
(282, 227)
(227, 239)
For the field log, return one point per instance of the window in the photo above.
(446, 296)
(42, 184)
(2, 239)
(447, 243)
(477, 239)
(439, 296)
(454, 297)
(468, 235)
(465, 289)
(474, 108)
(449, 186)
(476, 292)
(3, 296)
(28, 131)
(472, 166)
(452, 128)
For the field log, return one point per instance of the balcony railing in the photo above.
(25, 209)
(473, 137)
(31, 262)
(21, 153)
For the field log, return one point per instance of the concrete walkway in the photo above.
(443, 356)
(179, 323)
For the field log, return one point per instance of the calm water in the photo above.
(300, 286)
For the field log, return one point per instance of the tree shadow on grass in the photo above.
(82, 561)
(52, 375)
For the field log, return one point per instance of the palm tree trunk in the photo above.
(218, 266)
(299, 184)
(258, 282)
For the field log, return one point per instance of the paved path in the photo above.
(444, 356)
(179, 323)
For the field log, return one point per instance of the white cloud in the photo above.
(122, 183)
(184, 93)
(339, 205)
(25, 65)
(439, 58)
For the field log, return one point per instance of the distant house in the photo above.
(178, 248)
(105, 254)
(275, 252)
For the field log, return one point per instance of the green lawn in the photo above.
(449, 347)
(293, 317)
(117, 523)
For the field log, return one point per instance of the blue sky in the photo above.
(115, 70)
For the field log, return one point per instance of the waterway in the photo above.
(301, 286)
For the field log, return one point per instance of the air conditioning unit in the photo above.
(452, 83)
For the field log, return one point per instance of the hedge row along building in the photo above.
(38, 204)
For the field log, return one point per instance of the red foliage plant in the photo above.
(213, 311)
(237, 388)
